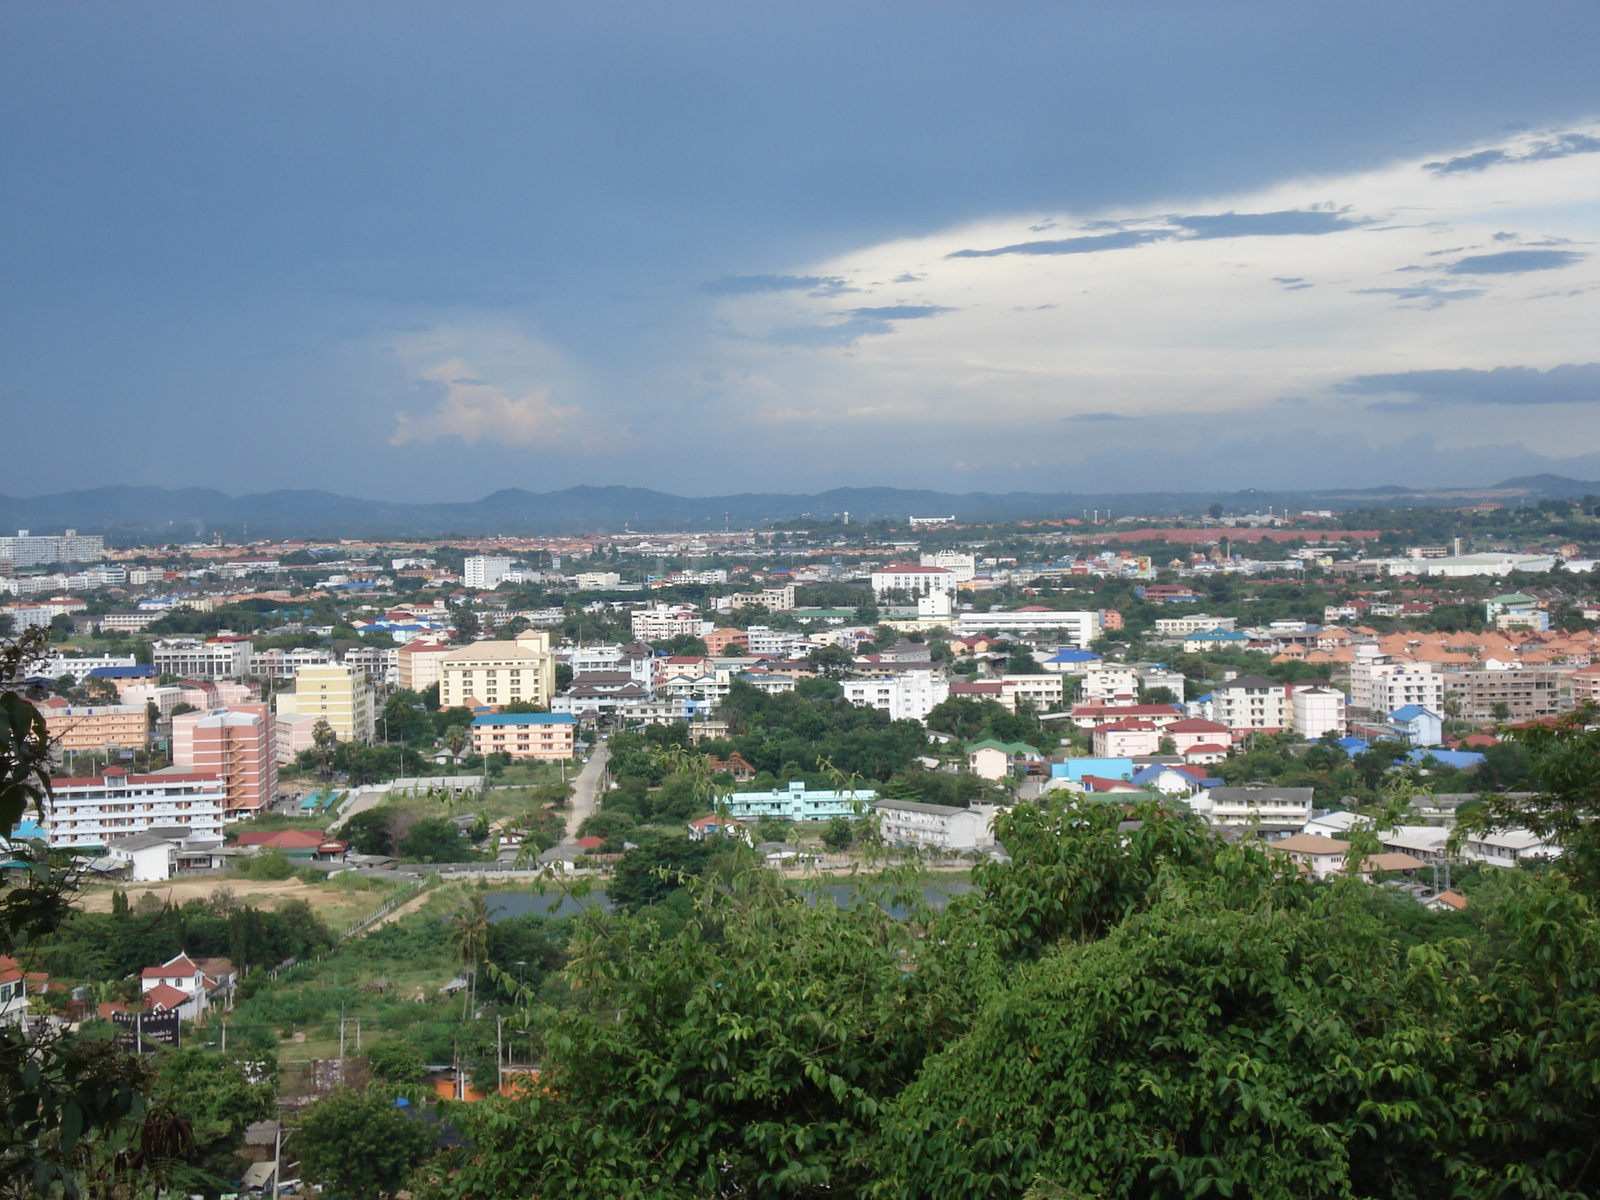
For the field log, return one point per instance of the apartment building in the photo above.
(26, 550)
(963, 566)
(542, 736)
(95, 728)
(282, 664)
(1256, 804)
(380, 663)
(417, 664)
(1315, 709)
(933, 826)
(1527, 694)
(1378, 686)
(913, 579)
(482, 571)
(337, 694)
(494, 673)
(1077, 628)
(908, 696)
(214, 658)
(1045, 693)
(97, 811)
(1251, 704)
(1106, 681)
(797, 803)
(239, 746)
(773, 599)
(1185, 627)
(661, 621)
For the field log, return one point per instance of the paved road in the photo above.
(585, 791)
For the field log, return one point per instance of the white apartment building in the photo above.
(36, 551)
(963, 566)
(1046, 693)
(1251, 704)
(61, 664)
(1315, 710)
(214, 658)
(1105, 681)
(497, 672)
(596, 581)
(97, 811)
(1380, 685)
(773, 599)
(1188, 626)
(1078, 628)
(662, 621)
(382, 664)
(933, 826)
(337, 694)
(909, 696)
(762, 640)
(282, 664)
(1255, 805)
(481, 571)
(912, 578)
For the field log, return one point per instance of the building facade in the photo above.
(933, 826)
(797, 803)
(214, 658)
(1251, 704)
(95, 728)
(1315, 709)
(337, 694)
(1379, 686)
(494, 673)
(546, 737)
(481, 571)
(237, 744)
(1525, 695)
(96, 811)
(909, 696)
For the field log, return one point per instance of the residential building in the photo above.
(1215, 639)
(908, 696)
(481, 571)
(912, 579)
(81, 667)
(494, 673)
(165, 698)
(1316, 709)
(95, 728)
(282, 664)
(1193, 732)
(222, 657)
(417, 664)
(16, 986)
(128, 620)
(1416, 726)
(340, 695)
(1257, 804)
(381, 663)
(1105, 682)
(1066, 661)
(1087, 716)
(933, 826)
(762, 640)
(1183, 627)
(96, 811)
(1526, 694)
(1045, 693)
(1585, 684)
(1507, 847)
(1078, 628)
(292, 734)
(773, 599)
(797, 803)
(662, 621)
(1127, 739)
(963, 566)
(1516, 611)
(198, 981)
(542, 736)
(720, 641)
(1380, 685)
(1251, 704)
(237, 744)
(597, 581)
(991, 759)
(26, 550)
(1320, 857)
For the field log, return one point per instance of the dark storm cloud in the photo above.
(1570, 383)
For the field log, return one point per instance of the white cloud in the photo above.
(1197, 320)
(474, 410)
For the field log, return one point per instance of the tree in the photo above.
(358, 1144)
(465, 622)
(832, 662)
(654, 870)
(433, 839)
(216, 1095)
(396, 1062)
(837, 833)
(1215, 510)
(469, 938)
(322, 743)
(369, 832)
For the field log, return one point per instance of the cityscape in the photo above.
(696, 601)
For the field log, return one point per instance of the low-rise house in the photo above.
(717, 825)
(1507, 847)
(1257, 804)
(1205, 753)
(16, 986)
(933, 826)
(1319, 857)
(1127, 739)
(1415, 725)
(991, 759)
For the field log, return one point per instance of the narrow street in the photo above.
(586, 789)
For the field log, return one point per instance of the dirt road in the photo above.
(585, 790)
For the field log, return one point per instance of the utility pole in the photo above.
(224, 1037)
(499, 1055)
(358, 1035)
(341, 1039)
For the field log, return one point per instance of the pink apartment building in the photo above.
(238, 744)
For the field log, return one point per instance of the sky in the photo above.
(426, 251)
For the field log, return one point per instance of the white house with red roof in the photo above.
(1087, 716)
(186, 985)
(15, 987)
(1196, 731)
(1126, 739)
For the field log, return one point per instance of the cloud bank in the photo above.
(475, 411)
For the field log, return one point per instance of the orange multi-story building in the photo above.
(238, 744)
(86, 728)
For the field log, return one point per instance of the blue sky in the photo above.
(423, 251)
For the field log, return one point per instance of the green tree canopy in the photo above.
(359, 1145)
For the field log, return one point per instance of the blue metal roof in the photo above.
(525, 719)
(1410, 713)
(144, 671)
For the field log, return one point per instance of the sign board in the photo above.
(146, 1031)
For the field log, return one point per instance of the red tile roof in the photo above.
(298, 839)
(164, 996)
(181, 967)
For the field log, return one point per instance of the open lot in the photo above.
(340, 902)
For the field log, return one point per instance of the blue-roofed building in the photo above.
(796, 803)
(543, 736)
(1215, 639)
(1071, 662)
(142, 671)
(1106, 768)
(1416, 726)
(1354, 745)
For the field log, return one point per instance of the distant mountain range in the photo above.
(130, 515)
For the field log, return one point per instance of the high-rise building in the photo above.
(95, 728)
(101, 810)
(238, 744)
(480, 571)
(337, 694)
(27, 550)
(419, 664)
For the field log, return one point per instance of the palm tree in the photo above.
(469, 938)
